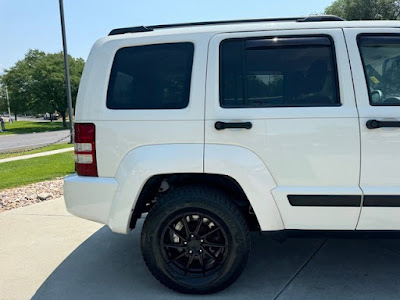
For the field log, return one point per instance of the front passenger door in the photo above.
(375, 62)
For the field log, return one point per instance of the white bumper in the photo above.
(89, 197)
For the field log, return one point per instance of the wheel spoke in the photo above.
(185, 224)
(200, 221)
(203, 266)
(190, 260)
(209, 254)
(178, 257)
(193, 244)
(213, 245)
(177, 233)
(210, 232)
(175, 246)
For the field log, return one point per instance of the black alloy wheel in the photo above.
(194, 245)
(195, 240)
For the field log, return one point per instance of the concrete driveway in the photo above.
(48, 254)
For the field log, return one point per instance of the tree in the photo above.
(365, 9)
(49, 83)
(3, 99)
(18, 80)
(37, 83)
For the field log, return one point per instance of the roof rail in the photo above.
(320, 18)
(152, 27)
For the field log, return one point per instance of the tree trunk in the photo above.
(15, 116)
(63, 116)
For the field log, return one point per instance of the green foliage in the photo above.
(3, 99)
(19, 79)
(31, 127)
(37, 83)
(34, 151)
(365, 9)
(26, 171)
(49, 84)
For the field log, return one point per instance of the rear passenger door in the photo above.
(375, 61)
(304, 120)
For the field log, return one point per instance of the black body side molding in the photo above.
(345, 200)
(325, 200)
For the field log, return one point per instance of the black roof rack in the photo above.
(320, 18)
(152, 27)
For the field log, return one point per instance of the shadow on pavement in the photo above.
(110, 266)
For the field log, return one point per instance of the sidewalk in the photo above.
(36, 155)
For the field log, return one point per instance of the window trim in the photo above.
(334, 61)
(190, 71)
(285, 42)
(374, 34)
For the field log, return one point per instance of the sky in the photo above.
(35, 24)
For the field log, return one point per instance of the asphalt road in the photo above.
(20, 141)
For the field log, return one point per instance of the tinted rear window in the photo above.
(151, 77)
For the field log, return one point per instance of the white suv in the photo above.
(218, 129)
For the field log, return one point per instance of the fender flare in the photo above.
(239, 163)
(142, 163)
(252, 175)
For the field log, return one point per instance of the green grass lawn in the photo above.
(44, 149)
(22, 172)
(19, 127)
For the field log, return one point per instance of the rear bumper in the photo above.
(89, 197)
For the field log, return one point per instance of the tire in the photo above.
(195, 240)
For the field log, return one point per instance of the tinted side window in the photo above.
(287, 71)
(151, 77)
(381, 61)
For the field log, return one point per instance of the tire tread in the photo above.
(210, 194)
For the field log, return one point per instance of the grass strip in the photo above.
(20, 127)
(22, 172)
(44, 149)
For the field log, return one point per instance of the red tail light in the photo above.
(85, 149)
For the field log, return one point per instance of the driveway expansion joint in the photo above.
(42, 215)
(301, 268)
(391, 250)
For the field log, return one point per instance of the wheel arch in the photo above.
(156, 184)
(252, 174)
(239, 168)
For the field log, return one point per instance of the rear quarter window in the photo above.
(151, 77)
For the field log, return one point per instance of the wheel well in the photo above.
(159, 184)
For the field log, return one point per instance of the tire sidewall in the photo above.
(237, 238)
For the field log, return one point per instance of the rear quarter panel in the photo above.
(120, 131)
